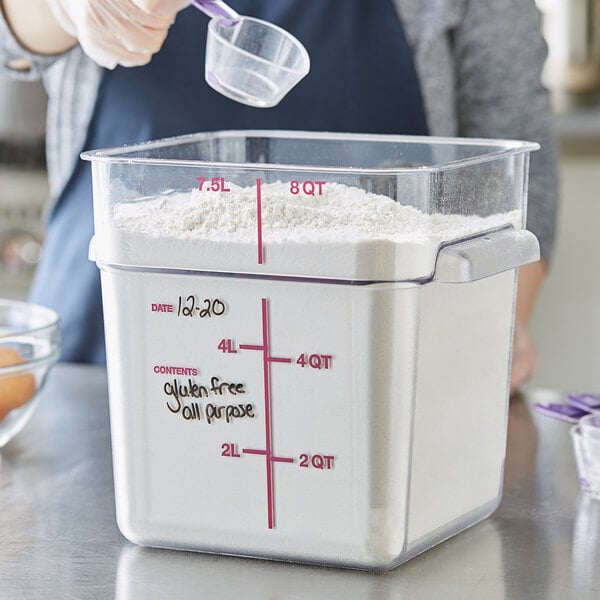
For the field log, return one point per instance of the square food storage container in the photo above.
(308, 338)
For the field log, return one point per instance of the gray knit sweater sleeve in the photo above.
(499, 53)
(479, 64)
(71, 81)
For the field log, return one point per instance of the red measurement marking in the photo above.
(265, 332)
(281, 360)
(259, 220)
(262, 349)
(252, 451)
(250, 347)
(284, 459)
(267, 358)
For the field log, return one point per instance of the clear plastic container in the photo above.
(309, 356)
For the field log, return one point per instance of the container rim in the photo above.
(51, 316)
(119, 154)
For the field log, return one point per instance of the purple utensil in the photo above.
(564, 412)
(217, 9)
(588, 402)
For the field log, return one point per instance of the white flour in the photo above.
(362, 235)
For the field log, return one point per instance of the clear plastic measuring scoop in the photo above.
(249, 60)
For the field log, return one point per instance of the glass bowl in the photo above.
(29, 346)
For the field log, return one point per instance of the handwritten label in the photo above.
(182, 396)
(190, 306)
(192, 389)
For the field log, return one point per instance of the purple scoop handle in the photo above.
(217, 9)
(589, 402)
(564, 412)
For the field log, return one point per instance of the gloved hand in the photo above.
(117, 32)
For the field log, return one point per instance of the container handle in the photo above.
(487, 254)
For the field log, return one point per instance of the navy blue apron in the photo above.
(362, 80)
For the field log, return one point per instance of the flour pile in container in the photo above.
(340, 220)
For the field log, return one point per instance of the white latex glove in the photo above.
(117, 32)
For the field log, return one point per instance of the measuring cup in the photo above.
(249, 60)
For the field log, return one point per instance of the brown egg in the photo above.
(15, 390)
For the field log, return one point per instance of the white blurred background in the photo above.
(566, 323)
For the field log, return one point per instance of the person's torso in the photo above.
(362, 78)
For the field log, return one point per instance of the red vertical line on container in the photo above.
(268, 461)
(259, 220)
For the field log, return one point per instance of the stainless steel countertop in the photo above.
(59, 539)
